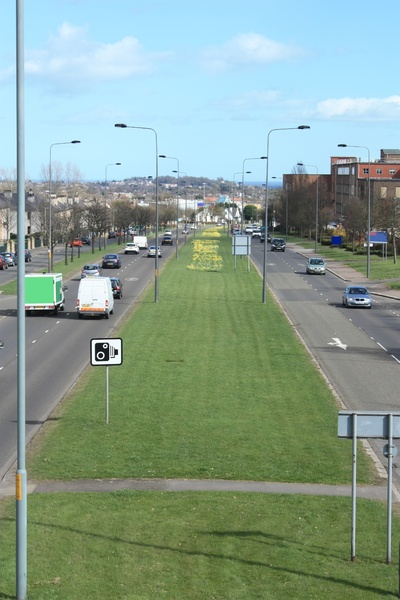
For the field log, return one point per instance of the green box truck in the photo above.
(44, 292)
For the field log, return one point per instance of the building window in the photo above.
(379, 171)
(383, 192)
(392, 171)
(365, 171)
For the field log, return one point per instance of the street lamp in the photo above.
(50, 252)
(369, 204)
(124, 126)
(184, 184)
(177, 200)
(316, 204)
(264, 290)
(257, 158)
(105, 195)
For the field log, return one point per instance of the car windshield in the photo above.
(316, 261)
(90, 268)
(108, 256)
(358, 291)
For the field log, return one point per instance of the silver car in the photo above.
(316, 266)
(355, 295)
(91, 271)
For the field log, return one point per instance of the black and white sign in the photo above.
(105, 352)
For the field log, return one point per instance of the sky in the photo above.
(209, 83)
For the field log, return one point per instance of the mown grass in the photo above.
(198, 546)
(214, 384)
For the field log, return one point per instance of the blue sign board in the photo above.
(378, 237)
(336, 240)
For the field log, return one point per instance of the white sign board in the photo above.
(241, 245)
(105, 352)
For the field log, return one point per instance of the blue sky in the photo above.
(211, 77)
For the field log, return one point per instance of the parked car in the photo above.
(3, 264)
(278, 245)
(28, 256)
(85, 239)
(355, 295)
(10, 258)
(76, 242)
(167, 240)
(151, 253)
(93, 270)
(131, 248)
(111, 261)
(116, 285)
(316, 266)
(112, 234)
(256, 233)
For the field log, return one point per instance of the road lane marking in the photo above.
(338, 343)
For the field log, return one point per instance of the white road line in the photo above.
(396, 359)
(383, 347)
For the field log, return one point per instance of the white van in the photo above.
(95, 297)
(141, 241)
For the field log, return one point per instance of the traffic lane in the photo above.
(347, 355)
(381, 323)
(57, 351)
(317, 310)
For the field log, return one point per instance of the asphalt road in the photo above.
(57, 347)
(358, 350)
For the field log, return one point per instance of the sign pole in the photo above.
(107, 388)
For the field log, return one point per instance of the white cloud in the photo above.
(71, 57)
(377, 109)
(248, 49)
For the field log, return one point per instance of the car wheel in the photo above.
(106, 315)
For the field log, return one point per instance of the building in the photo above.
(352, 177)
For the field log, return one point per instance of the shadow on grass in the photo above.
(213, 555)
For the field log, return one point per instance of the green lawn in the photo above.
(214, 384)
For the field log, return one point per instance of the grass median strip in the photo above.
(214, 384)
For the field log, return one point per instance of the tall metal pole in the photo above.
(50, 236)
(105, 192)
(233, 196)
(21, 487)
(316, 204)
(124, 126)
(264, 290)
(177, 201)
(256, 158)
(369, 205)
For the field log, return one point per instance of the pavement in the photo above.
(371, 492)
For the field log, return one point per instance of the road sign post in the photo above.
(105, 352)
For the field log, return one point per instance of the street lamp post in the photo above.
(233, 196)
(264, 290)
(369, 204)
(105, 194)
(256, 158)
(50, 250)
(124, 126)
(177, 200)
(243, 174)
(316, 203)
(184, 184)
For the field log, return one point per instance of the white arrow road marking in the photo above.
(337, 342)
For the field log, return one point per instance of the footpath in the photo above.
(373, 492)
